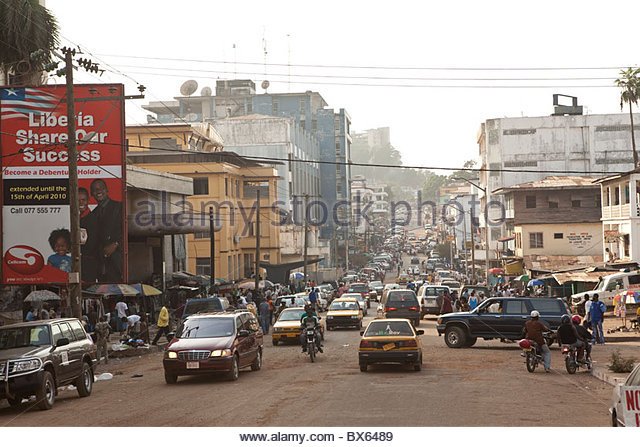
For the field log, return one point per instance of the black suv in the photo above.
(37, 357)
(502, 318)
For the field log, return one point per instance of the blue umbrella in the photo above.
(535, 282)
(297, 275)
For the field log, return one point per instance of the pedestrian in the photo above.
(265, 315)
(93, 318)
(473, 300)
(271, 308)
(313, 299)
(596, 312)
(31, 316)
(446, 307)
(587, 307)
(44, 312)
(102, 332)
(163, 325)
(121, 316)
(133, 326)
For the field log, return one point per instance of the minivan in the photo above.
(428, 299)
(402, 303)
(606, 289)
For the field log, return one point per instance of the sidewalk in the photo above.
(628, 343)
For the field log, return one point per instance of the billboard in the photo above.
(36, 246)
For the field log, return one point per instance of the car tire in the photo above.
(257, 363)
(455, 337)
(46, 392)
(84, 382)
(15, 402)
(329, 328)
(170, 378)
(363, 367)
(234, 373)
(471, 341)
(417, 366)
(274, 341)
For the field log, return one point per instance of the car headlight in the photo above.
(172, 355)
(329, 317)
(27, 365)
(439, 320)
(355, 317)
(221, 353)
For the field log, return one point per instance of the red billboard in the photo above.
(36, 247)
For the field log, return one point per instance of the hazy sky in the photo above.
(431, 126)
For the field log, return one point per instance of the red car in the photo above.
(207, 343)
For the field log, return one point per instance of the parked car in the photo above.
(415, 260)
(452, 285)
(479, 290)
(390, 341)
(37, 357)
(375, 290)
(291, 300)
(344, 312)
(616, 410)
(606, 289)
(428, 299)
(363, 302)
(206, 343)
(287, 327)
(505, 320)
(402, 303)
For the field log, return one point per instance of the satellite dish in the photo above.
(265, 84)
(206, 91)
(188, 87)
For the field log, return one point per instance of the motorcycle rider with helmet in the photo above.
(309, 312)
(584, 333)
(567, 334)
(534, 330)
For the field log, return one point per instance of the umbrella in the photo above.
(42, 295)
(112, 289)
(523, 278)
(535, 282)
(146, 290)
(297, 275)
(496, 271)
(251, 284)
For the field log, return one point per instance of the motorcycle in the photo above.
(571, 360)
(310, 332)
(532, 353)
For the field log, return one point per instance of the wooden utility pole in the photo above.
(306, 243)
(257, 269)
(212, 250)
(75, 289)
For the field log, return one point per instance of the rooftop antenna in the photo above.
(235, 62)
(264, 50)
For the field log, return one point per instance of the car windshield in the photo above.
(24, 336)
(343, 305)
(375, 284)
(388, 328)
(206, 328)
(291, 315)
(193, 307)
(358, 288)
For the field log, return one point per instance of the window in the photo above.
(275, 107)
(575, 204)
(163, 143)
(201, 235)
(625, 199)
(598, 201)
(76, 327)
(200, 186)
(606, 193)
(558, 235)
(634, 280)
(535, 240)
(203, 266)
(611, 286)
(530, 201)
(66, 332)
(553, 204)
(226, 187)
(515, 307)
(303, 105)
(57, 334)
(616, 196)
(548, 306)
(314, 125)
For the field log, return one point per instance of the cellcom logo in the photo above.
(24, 259)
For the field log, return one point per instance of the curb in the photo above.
(604, 375)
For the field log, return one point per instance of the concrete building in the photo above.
(227, 183)
(621, 216)
(552, 224)
(519, 150)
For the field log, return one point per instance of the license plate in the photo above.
(193, 365)
(527, 350)
(389, 346)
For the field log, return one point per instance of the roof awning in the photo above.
(507, 239)
(591, 277)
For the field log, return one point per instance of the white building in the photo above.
(520, 150)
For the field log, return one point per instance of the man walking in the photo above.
(121, 312)
(265, 316)
(163, 325)
(596, 311)
(102, 331)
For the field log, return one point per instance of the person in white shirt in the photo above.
(121, 312)
(133, 325)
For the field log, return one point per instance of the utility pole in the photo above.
(75, 289)
(464, 242)
(346, 250)
(306, 243)
(473, 253)
(486, 234)
(212, 251)
(257, 273)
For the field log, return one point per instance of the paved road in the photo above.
(487, 385)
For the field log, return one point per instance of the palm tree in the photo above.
(28, 37)
(629, 82)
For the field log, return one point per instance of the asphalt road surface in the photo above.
(487, 385)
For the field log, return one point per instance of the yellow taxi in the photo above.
(390, 340)
(287, 327)
(344, 312)
(403, 279)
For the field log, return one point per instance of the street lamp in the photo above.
(486, 223)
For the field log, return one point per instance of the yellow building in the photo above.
(226, 183)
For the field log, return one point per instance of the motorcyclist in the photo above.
(309, 312)
(567, 334)
(584, 333)
(534, 330)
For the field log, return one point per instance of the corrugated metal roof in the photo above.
(593, 277)
(554, 182)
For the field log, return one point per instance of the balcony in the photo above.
(618, 212)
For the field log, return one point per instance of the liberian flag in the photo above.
(17, 102)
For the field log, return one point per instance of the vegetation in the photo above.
(621, 364)
(28, 37)
(629, 83)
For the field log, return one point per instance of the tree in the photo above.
(28, 37)
(629, 83)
